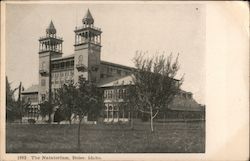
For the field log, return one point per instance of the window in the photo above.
(55, 66)
(111, 94)
(119, 93)
(124, 93)
(62, 65)
(119, 72)
(109, 69)
(105, 94)
(72, 63)
(67, 64)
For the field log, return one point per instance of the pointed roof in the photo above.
(51, 25)
(88, 19)
(51, 28)
(88, 15)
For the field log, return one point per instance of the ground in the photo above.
(187, 137)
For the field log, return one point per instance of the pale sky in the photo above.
(176, 28)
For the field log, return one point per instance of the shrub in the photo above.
(31, 121)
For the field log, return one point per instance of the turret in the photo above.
(87, 49)
(50, 46)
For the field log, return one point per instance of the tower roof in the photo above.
(51, 28)
(88, 19)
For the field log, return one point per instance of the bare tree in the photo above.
(154, 83)
(131, 102)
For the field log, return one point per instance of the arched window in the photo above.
(120, 93)
(43, 65)
(80, 59)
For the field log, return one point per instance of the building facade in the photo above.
(56, 69)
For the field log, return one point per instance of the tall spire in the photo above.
(51, 28)
(88, 19)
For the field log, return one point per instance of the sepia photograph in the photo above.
(105, 77)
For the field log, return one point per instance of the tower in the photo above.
(87, 50)
(50, 46)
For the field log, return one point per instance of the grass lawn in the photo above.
(168, 137)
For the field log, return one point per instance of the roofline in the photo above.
(63, 58)
(115, 64)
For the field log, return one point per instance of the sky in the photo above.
(152, 28)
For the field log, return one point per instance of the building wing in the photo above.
(116, 81)
(31, 89)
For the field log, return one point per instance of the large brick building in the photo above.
(55, 70)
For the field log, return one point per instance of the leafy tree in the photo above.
(12, 111)
(46, 109)
(14, 108)
(22, 105)
(65, 98)
(59, 115)
(154, 83)
(88, 101)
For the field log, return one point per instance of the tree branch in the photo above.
(155, 114)
(143, 111)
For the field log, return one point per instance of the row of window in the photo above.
(115, 94)
(115, 112)
(62, 65)
(113, 74)
(114, 108)
(62, 81)
(117, 71)
(62, 74)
